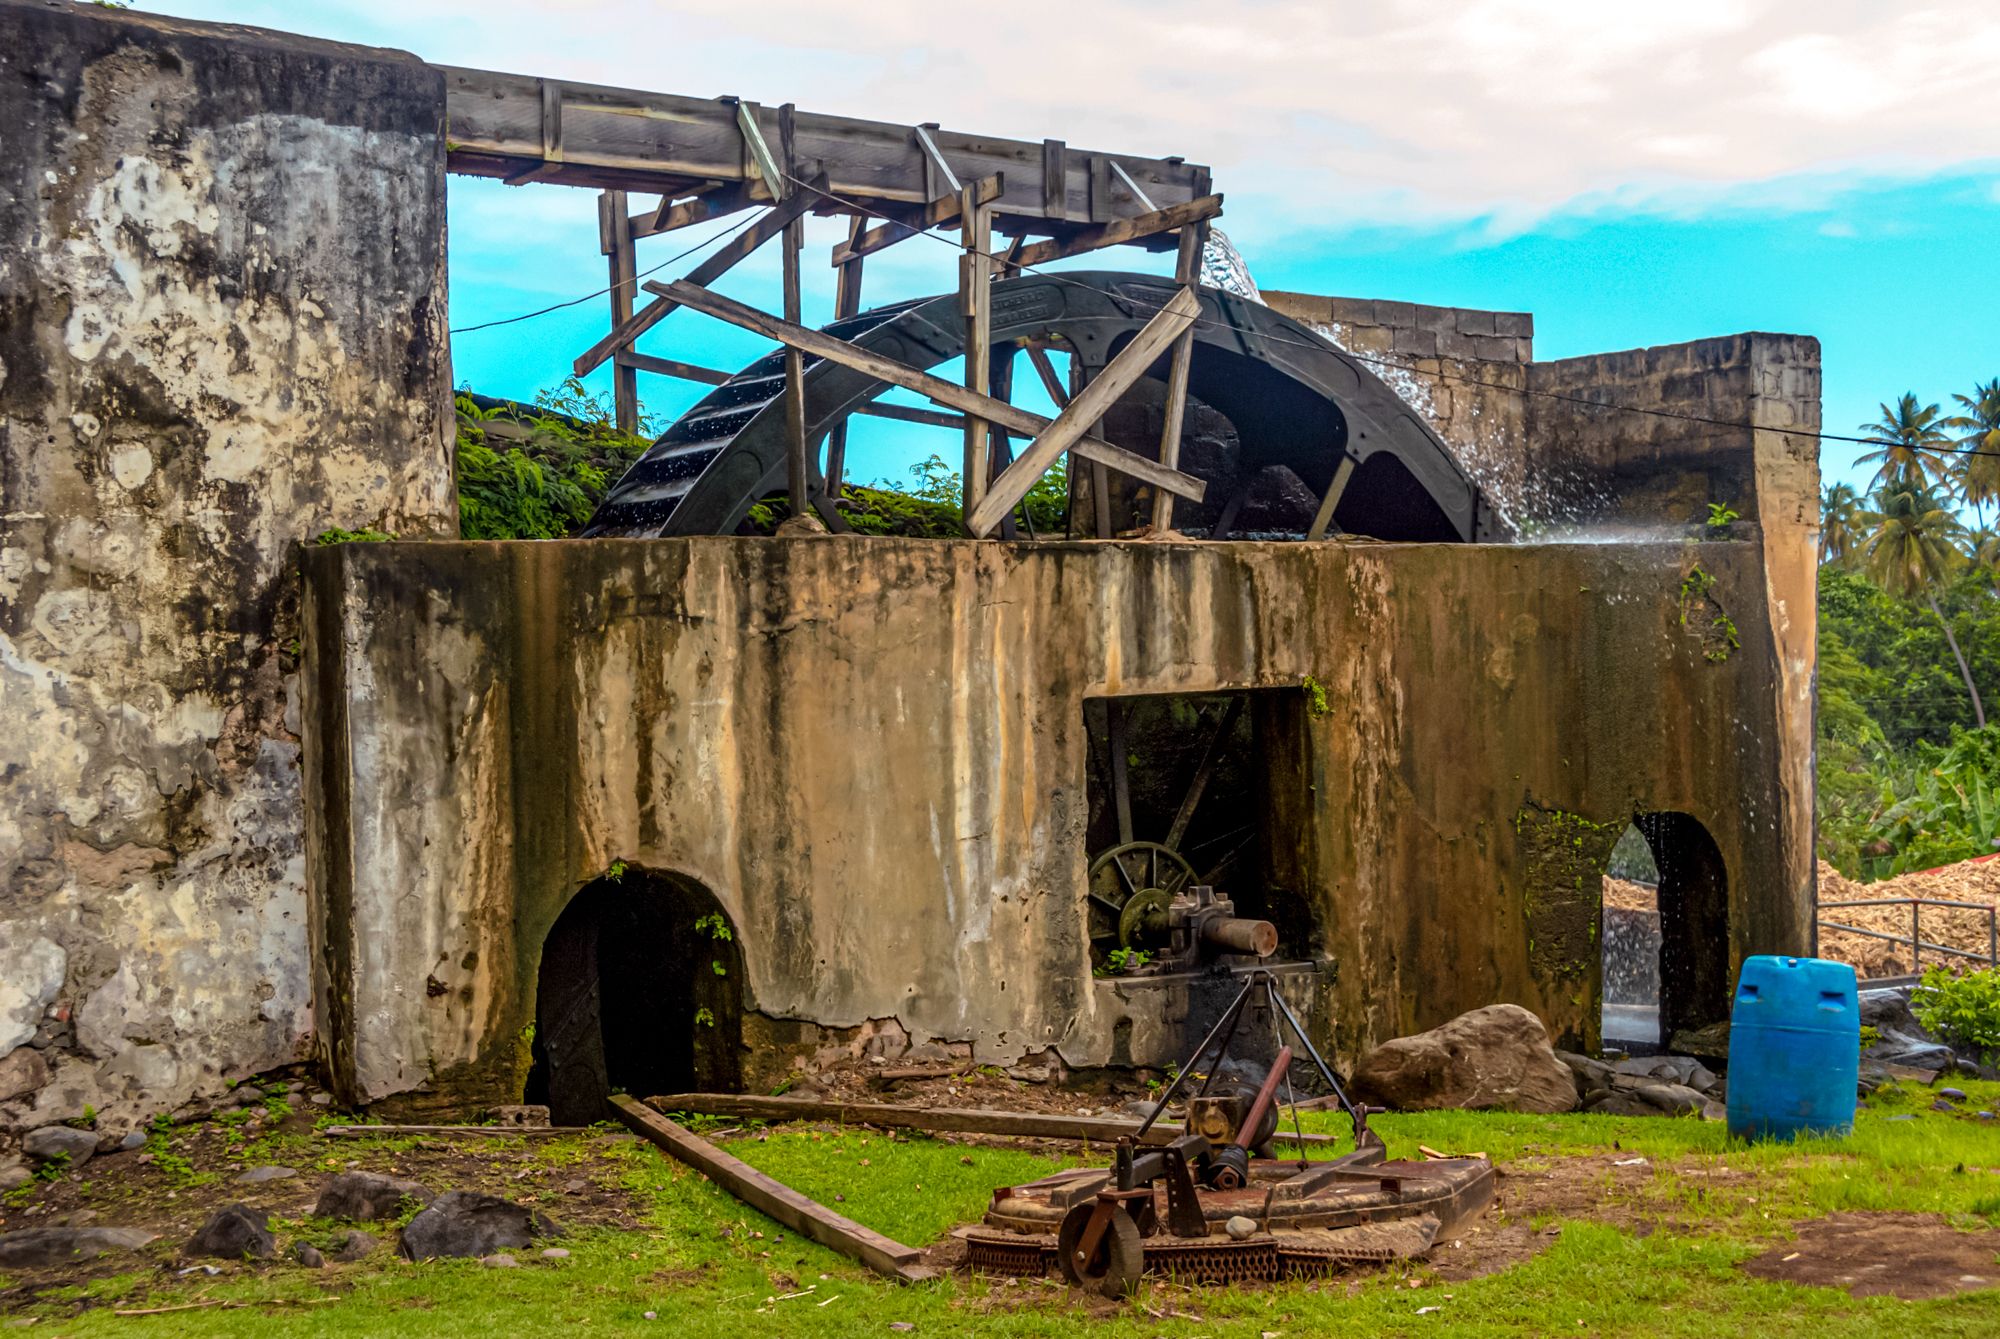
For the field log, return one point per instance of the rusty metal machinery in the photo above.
(1180, 1207)
(1157, 912)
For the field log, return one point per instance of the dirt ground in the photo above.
(1906, 1255)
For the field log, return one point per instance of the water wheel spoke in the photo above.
(1113, 907)
(1118, 863)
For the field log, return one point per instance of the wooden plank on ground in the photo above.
(1096, 449)
(450, 1131)
(1083, 412)
(763, 230)
(948, 1120)
(774, 1198)
(1119, 231)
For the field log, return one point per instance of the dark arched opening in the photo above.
(1666, 933)
(640, 990)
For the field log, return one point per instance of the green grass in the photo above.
(707, 1265)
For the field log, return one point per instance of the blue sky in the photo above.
(1631, 175)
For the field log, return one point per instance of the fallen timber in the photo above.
(945, 1120)
(772, 1197)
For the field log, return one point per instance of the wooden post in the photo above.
(615, 228)
(846, 303)
(797, 474)
(1187, 271)
(976, 304)
(1079, 419)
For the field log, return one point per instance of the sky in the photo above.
(1631, 174)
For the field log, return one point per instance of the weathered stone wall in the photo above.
(1659, 472)
(221, 333)
(871, 752)
(1463, 370)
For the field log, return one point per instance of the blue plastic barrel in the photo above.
(1794, 1048)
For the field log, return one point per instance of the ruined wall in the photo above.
(871, 751)
(221, 333)
(1462, 370)
(1660, 472)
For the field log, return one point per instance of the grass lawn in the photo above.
(1613, 1246)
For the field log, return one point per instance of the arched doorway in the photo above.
(1666, 933)
(640, 990)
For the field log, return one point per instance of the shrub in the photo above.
(1964, 1010)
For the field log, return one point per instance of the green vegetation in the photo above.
(1909, 644)
(1655, 1250)
(1964, 1010)
(538, 473)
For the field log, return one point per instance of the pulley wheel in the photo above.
(1113, 1269)
(1144, 918)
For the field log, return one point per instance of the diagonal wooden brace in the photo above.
(1085, 409)
(650, 315)
(949, 394)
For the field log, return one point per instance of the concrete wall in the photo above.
(871, 752)
(221, 333)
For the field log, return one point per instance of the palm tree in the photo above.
(1979, 439)
(1909, 438)
(1912, 544)
(1839, 528)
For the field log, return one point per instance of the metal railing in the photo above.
(1915, 938)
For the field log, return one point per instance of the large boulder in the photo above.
(1498, 1057)
(41, 1247)
(235, 1232)
(1900, 1038)
(54, 1142)
(360, 1196)
(464, 1224)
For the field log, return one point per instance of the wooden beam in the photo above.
(936, 214)
(710, 205)
(1187, 271)
(763, 230)
(975, 279)
(760, 152)
(1086, 409)
(923, 383)
(1218, 740)
(1324, 518)
(772, 1197)
(947, 1120)
(1046, 370)
(642, 141)
(1119, 231)
(671, 367)
(908, 414)
(846, 303)
(797, 473)
(452, 1131)
(616, 225)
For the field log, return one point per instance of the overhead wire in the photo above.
(1704, 419)
(1394, 364)
(703, 245)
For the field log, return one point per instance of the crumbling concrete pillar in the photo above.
(221, 335)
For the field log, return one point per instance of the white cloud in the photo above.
(1380, 110)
